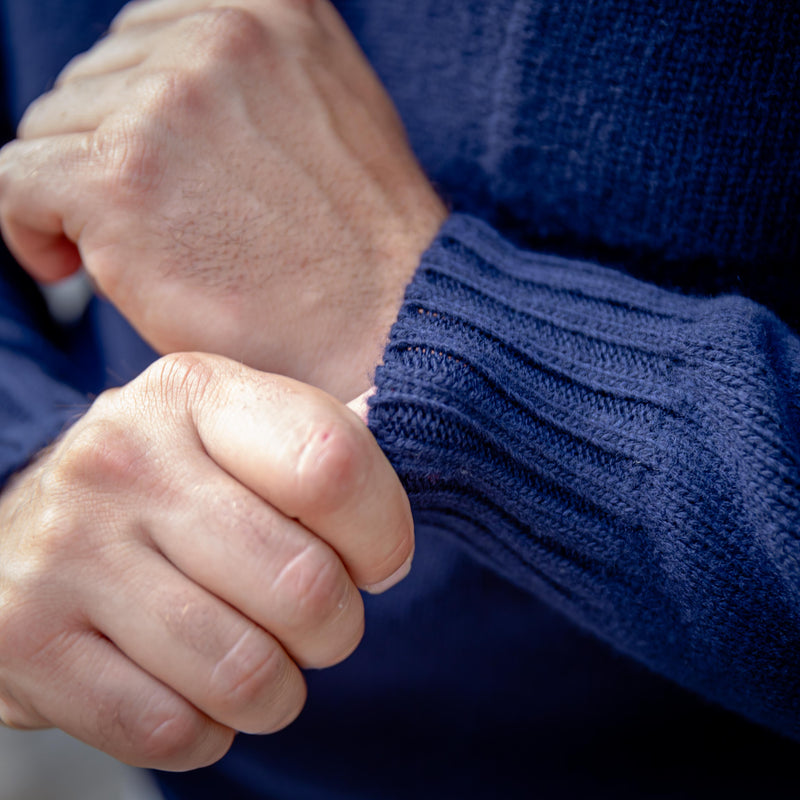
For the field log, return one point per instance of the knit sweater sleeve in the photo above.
(46, 374)
(629, 454)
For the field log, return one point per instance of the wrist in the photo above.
(361, 347)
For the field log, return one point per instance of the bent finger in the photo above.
(269, 567)
(40, 181)
(96, 694)
(77, 106)
(207, 652)
(148, 12)
(110, 54)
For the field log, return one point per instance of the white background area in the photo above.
(49, 765)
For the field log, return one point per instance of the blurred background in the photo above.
(49, 765)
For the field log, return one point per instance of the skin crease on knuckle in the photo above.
(126, 151)
(256, 674)
(160, 732)
(316, 599)
(180, 382)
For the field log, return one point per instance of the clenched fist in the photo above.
(170, 563)
(235, 179)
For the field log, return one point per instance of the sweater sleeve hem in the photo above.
(629, 454)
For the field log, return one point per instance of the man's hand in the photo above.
(235, 179)
(169, 564)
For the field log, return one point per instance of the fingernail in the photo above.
(361, 405)
(394, 578)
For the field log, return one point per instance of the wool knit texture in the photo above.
(627, 453)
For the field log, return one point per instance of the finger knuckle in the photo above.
(100, 453)
(30, 116)
(331, 468)
(180, 95)
(179, 380)
(315, 586)
(182, 740)
(128, 14)
(60, 539)
(252, 670)
(128, 157)
(71, 68)
(87, 473)
(230, 34)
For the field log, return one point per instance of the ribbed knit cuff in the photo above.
(627, 453)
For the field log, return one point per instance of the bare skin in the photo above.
(235, 179)
(171, 562)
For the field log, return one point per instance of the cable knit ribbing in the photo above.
(596, 440)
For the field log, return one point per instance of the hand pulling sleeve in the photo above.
(629, 454)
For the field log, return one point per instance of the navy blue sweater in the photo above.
(592, 395)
